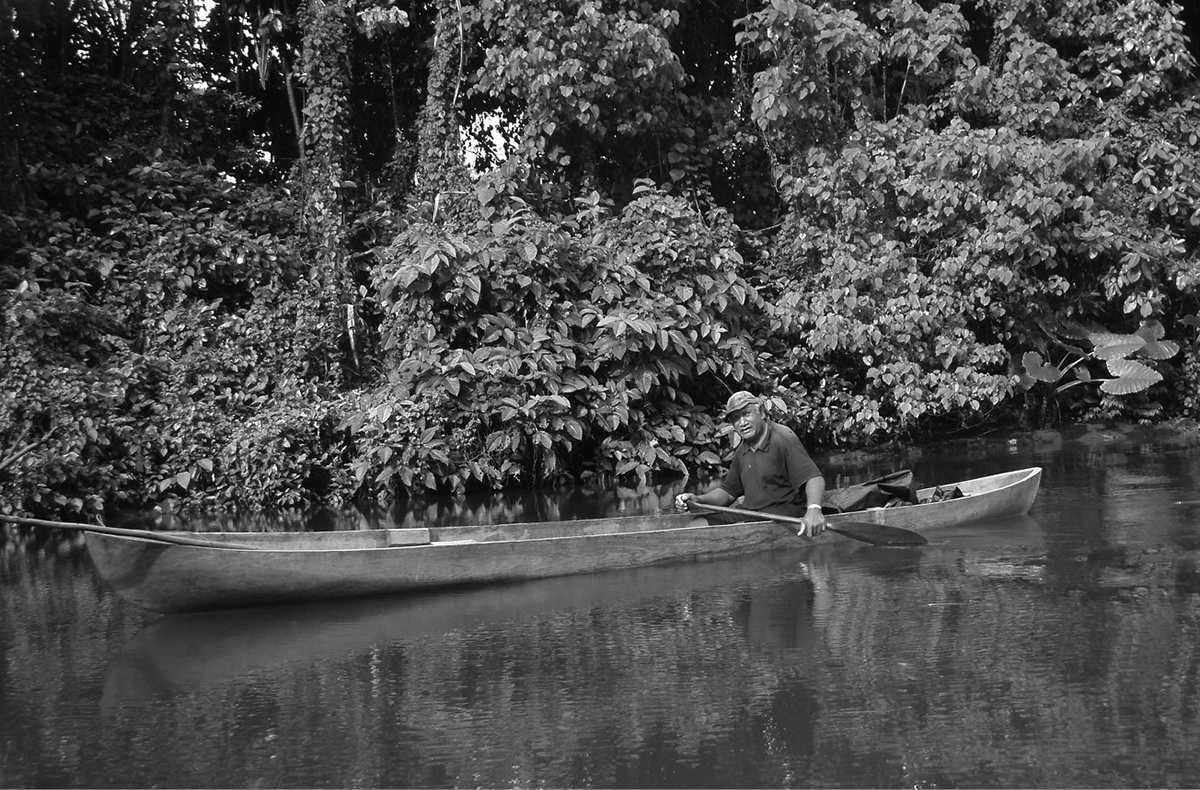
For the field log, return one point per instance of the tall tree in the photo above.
(441, 172)
(325, 68)
(12, 121)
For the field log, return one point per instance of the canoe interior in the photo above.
(391, 538)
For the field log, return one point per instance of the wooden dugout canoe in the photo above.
(277, 567)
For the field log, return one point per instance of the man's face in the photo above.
(748, 422)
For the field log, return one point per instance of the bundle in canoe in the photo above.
(278, 567)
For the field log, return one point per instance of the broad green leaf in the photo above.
(1112, 346)
(474, 288)
(1151, 330)
(1036, 368)
(1161, 349)
(1132, 376)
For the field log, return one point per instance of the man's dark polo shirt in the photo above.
(771, 474)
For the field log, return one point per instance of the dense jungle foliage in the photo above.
(260, 253)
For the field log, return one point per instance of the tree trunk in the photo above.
(176, 22)
(326, 70)
(441, 175)
(12, 190)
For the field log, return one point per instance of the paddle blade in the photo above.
(879, 534)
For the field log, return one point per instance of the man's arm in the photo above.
(814, 494)
(715, 496)
(814, 491)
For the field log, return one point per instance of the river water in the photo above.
(1060, 649)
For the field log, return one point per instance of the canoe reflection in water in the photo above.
(773, 598)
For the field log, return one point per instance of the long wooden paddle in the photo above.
(126, 533)
(875, 534)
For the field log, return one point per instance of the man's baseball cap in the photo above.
(740, 400)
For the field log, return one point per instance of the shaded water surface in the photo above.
(1061, 649)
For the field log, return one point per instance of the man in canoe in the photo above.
(770, 468)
